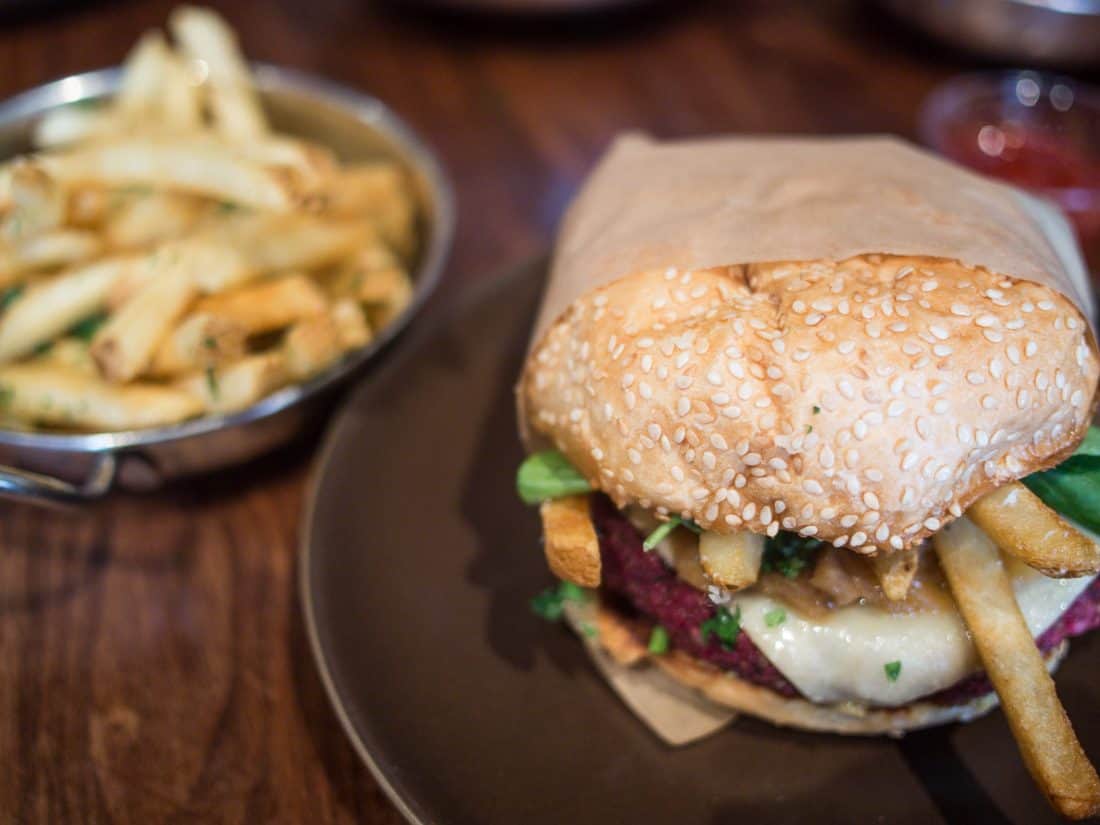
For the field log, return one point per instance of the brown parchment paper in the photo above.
(728, 201)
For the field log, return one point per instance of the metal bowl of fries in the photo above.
(197, 354)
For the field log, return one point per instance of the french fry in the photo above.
(125, 345)
(240, 384)
(143, 72)
(71, 353)
(278, 242)
(351, 324)
(570, 542)
(266, 306)
(895, 572)
(152, 219)
(88, 207)
(70, 124)
(50, 250)
(382, 190)
(1022, 525)
(204, 36)
(314, 163)
(180, 104)
(213, 266)
(66, 397)
(48, 309)
(311, 346)
(199, 341)
(731, 560)
(982, 589)
(193, 164)
(36, 203)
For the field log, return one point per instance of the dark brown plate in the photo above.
(418, 564)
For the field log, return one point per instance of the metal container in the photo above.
(63, 468)
(1050, 32)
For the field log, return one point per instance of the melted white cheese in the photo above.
(842, 657)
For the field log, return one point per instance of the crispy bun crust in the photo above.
(866, 402)
(725, 689)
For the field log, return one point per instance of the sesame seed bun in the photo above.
(727, 690)
(866, 402)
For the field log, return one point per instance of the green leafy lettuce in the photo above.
(788, 553)
(1073, 487)
(547, 475)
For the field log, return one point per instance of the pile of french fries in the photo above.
(167, 255)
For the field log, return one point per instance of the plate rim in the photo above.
(430, 326)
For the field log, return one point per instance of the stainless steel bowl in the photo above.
(1052, 32)
(64, 468)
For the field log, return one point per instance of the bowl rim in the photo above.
(405, 144)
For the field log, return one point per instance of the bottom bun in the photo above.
(617, 637)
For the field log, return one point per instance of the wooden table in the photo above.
(153, 665)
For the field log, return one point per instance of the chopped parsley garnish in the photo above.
(775, 617)
(209, 342)
(10, 295)
(550, 603)
(547, 475)
(662, 531)
(723, 624)
(658, 640)
(86, 329)
(817, 409)
(212, 383)
(788, 553)
(809, 428)
(893, 670)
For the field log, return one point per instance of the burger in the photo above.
(809, 431)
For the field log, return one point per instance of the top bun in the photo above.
(866, 402)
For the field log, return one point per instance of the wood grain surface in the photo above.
(153, 665)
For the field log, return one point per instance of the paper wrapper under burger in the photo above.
(721, 202)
